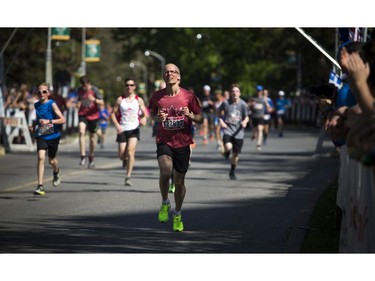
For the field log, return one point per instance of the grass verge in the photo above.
(323, 235)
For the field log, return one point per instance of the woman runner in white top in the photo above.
(126, 115)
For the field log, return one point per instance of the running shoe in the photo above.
(232, 176)
(163, 213)
(39, 190)
(56, 178)
(172, 188)
(178, 225)
(83, 161)
(91, 165)
(259, 147)
(128, 182)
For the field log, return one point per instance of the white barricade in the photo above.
(356, 197)
(15, 125)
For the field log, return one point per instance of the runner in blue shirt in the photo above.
(282, 105)
(47, 133)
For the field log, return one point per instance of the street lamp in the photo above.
(145, 75)
(49, 59)
(83, 52)
(159, 57)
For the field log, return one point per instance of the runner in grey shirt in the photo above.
(257, 107)
(234, 116)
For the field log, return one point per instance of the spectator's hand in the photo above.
(358, 71)
(336, 128)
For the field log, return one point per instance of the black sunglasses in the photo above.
(43, 92)
(129, 85)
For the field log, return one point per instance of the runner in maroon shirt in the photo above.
(88, 103)
(175, 109)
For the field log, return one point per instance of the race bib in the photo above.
(173, 123)
(46, 129)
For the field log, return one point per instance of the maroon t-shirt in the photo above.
(88, 108)
(176, 130)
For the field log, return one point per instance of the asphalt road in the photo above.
(265, 211)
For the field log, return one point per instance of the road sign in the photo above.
(92, 50)
(60, 33)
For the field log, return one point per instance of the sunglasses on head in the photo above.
(43, 92)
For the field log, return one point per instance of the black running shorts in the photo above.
(92, 125)
(180, 156)
(126, 135)
(237, 143)
(50, 145)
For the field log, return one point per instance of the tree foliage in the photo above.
(221, 56)
(216, 56)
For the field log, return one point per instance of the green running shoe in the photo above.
(178, 225)
(163, 213)
(39, 190)
(172, 188)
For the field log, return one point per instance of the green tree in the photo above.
(215, 56)
(221, 56)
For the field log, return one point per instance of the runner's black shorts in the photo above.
(92, 125)
(126, 135)
(180, 156)
(237, 143)
(258, 121)
(50, 145)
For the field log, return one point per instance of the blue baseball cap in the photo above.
(259, 88)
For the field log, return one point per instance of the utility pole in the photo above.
(49, 59)
(83, 49)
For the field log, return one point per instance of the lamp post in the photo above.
(145, 75)
(49, 58)
(159, 57)
(83, 52)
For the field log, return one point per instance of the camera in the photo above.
(324, 91)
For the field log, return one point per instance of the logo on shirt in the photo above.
(175, 119)
(235, 117)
